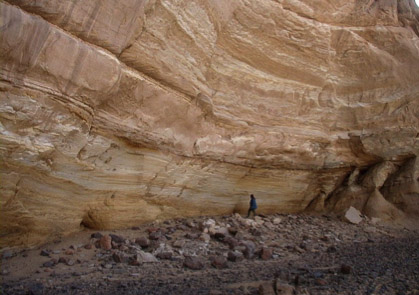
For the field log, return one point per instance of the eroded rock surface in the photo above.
(117, 113)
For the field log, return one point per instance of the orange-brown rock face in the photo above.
(114, 113)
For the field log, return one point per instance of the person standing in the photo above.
(253, 206)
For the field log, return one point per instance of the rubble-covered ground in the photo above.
(276, 254)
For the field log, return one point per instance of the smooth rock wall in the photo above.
(117, 113)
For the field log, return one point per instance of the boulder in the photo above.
(352, 215)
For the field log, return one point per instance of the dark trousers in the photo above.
(251, 210)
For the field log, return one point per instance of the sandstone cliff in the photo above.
(117, 113)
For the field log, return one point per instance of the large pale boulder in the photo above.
(114, 113)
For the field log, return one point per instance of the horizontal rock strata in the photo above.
(117, 113)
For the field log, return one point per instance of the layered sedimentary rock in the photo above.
(117, 113)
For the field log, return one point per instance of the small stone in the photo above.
(190, 224)
(152, 229)
(179, 243)
(193, 262)
(266, 253)
(50, 263)
(233, 231)
(325, 239)
(304, 246)
(70, 262)
(117, 239)
(219, 236)
(192, 236)
(69, 252)
(123, 248)
(259, 220)
(212, 230)
(165, 255)
(249, 248)
(44, 253)
(134, 262)
(331, 249)
(231, 242)
(208, 223)
(277, 221)
(182, 227)
(143, 242)
(235, 256)
(205, 237)
(118, 257)
(320, 282)
(155, 235)
(96, 235)
(255, 232)
(63, 260)
(298, 249)
(219, 262)
(144, 257)
(105, 242)
(345, 269)
(305, 238)
(108, 266)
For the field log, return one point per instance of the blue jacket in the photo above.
(253, 204)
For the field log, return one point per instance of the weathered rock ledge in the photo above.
(113, 114)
